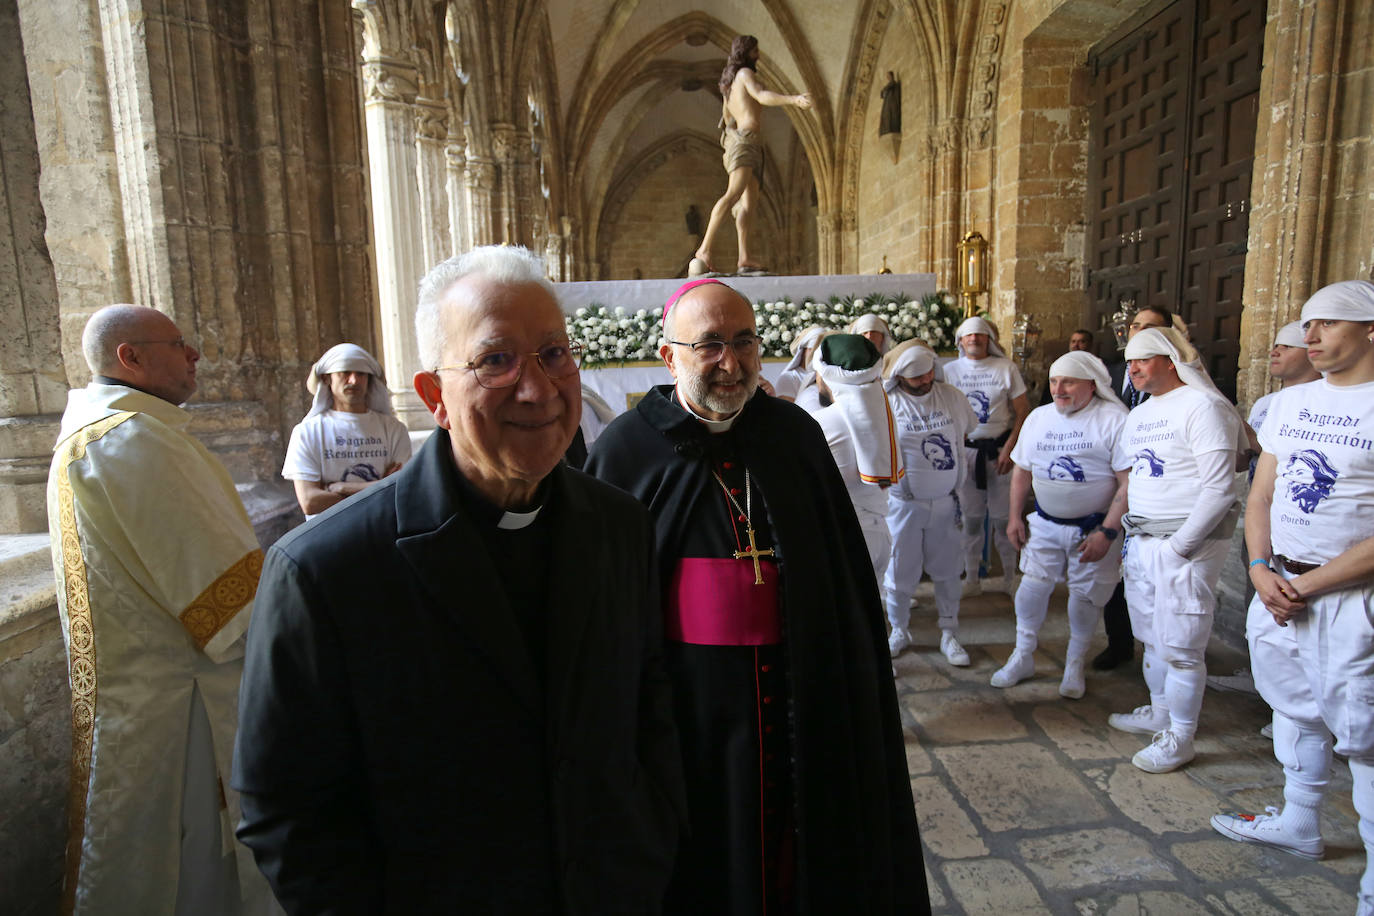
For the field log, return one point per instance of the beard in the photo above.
(698, 389)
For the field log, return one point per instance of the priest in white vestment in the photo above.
(157, 565)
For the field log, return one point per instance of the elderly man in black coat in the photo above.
(454, 696)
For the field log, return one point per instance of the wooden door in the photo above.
(1173, 133)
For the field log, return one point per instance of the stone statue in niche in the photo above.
(890, 121)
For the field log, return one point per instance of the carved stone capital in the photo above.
(389, 81)
(431, 120)
(503, 142)
(456, 156)
(481, 174)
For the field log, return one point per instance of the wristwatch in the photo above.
(1111, 533)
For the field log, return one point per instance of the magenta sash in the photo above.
(713, 601)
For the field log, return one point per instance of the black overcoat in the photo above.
(396, 751)
(857, 846)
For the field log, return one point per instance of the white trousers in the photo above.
(1051, 554)
(877, 540)
(1172, 599)
(925, 539)
(1320, 668)
(979, 504)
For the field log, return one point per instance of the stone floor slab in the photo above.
(1310, 894)
(1019, 786)
(993, 887)
(1221, 859)
(917, 760)
(964, 717)
(1163, 802)
(1242, 903)
(1152, 902)
(1073, 733)
(1085, 858)
(945, 829)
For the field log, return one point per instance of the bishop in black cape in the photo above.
(798, 793)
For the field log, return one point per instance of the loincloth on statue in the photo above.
(743, 149)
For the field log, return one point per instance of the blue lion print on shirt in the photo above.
(1310, 478)
(1065, 468)
(361, 471)
(980, 404)
(1146, 459)
(938, 452)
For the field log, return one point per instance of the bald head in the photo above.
(143, 347)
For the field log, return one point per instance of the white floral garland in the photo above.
(615, 336)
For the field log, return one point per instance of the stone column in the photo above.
(456, 167)
(389, 93)
(431, 174)
(481, 200)
(508, 205)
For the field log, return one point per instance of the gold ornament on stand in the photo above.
(973, 270)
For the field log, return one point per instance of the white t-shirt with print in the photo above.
(1322, 438)
(930, 433)
(1259, 410)
(340, 446)
(1159, 445)
(990, 385)
(1069, 456)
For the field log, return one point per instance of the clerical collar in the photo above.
(714, 426)
(490, 515)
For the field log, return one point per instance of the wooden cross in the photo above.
(753, 553)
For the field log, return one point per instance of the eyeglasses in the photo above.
(502, 368)
(712, 350)
(179, 343)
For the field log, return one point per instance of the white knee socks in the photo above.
(1183, 687)
(1305, 752)
(1154, 671)
(1083, 618)
(1032, 603)
(1362, 772)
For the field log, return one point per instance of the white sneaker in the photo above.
(1143, 720)
(1266, 829)
(1020, 666)
(897, 640)
(971, 588)
(952, 650)
(1073, 685)
(1166, 753)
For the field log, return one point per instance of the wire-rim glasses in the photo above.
(712, 350)
(503, 368)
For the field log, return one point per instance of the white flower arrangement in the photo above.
(612, 336)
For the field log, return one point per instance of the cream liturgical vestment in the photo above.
(156, 565)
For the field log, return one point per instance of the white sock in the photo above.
(1083, 618)
(1032, 603)
(1183, 688)
(1154, 670)
(1305, 753)
(1362, 774)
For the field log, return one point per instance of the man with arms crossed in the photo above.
(997, 394)
(1180, 450)
(1065, 454)
(454, 699)
(1310, 532)
(349, 440)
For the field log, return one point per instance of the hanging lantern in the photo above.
(973, 270)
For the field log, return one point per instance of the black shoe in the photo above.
(1112, 656)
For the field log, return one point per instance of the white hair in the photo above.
(505, 264)
(106, 330)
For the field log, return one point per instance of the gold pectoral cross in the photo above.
(753, 553)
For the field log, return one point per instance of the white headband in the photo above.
(977, 325)
(347, 357)
(1291, 335)
(1081, 364)
(1349, 300)
(911, 360)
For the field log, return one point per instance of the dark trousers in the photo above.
(1116, 620)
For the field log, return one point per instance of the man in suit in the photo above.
(454, 697)
(1116, 619)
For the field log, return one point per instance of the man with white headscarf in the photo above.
(1311, 535)
(860, 431)
(798, 374)
(997, 394)
(349, 440)
(1289, 364)
(933, 419)
(1180, 448)
(1065, 454)
(874, 329)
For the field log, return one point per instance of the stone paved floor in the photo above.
(1028, 802)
